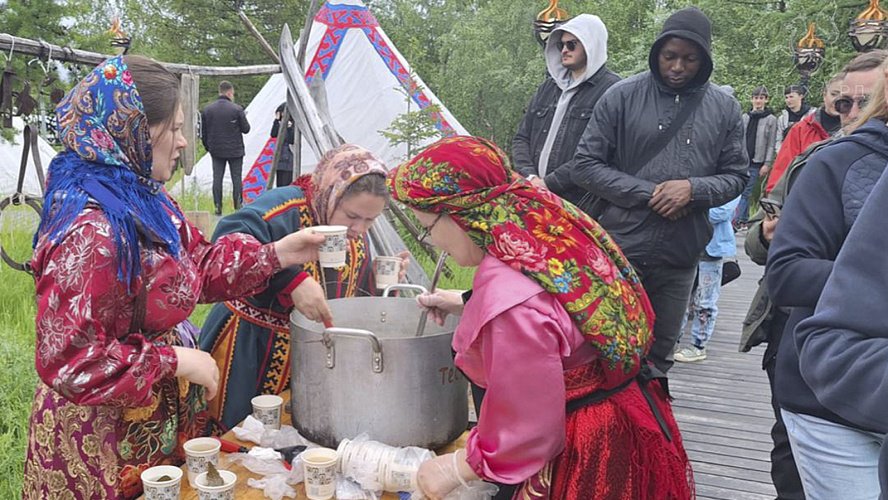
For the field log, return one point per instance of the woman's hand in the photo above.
(405, 261)
(308, 299)
(440, 303)
(436, 478)
(298, 248)
(441, 475)
(198, 367)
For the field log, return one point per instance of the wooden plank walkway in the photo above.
(722, 404)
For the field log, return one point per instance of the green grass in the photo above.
(18, 379)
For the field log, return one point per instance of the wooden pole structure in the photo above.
(321, 137)
(300, 56)
(41, 49)
(190, 85)
(265, 45)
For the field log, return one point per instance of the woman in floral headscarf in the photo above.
(556, 331)
(250, 337)
(117, 267)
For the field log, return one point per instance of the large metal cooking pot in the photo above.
(372, 374)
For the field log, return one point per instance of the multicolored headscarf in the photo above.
(337, 170)
(107, 162)
(547, 239)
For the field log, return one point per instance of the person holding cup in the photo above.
(116, 267)
(556, 330)
(249, 337)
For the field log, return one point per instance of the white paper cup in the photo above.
(341, 450)
(267, 409)
(162, 490)
(387, 269)
(224, 492)
(319, 465)
(198, 453)
(331, 253)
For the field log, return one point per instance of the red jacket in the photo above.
(801, 135)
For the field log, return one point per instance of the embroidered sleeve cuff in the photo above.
(284, 295)
(169, 362)
(272, 257)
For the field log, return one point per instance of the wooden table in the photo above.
(243, 492)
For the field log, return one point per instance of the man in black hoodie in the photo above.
(656, 208)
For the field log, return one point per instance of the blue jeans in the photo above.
(834, 461)
(703, 308)
(743, 207)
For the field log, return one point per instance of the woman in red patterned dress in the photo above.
(556, 331)
(117, 267)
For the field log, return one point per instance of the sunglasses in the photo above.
(570, 44)
(845, 104)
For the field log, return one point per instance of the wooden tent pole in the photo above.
(261, 39)
(41, 49)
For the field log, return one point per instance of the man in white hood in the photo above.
(556, 117)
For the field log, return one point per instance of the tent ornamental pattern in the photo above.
(339, 19)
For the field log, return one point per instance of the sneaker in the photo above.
(690, 354)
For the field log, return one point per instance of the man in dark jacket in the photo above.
(843, 346)
(765, 323)
(836, 458)
(544, 147)
(761, 131)
(658, 212)
(222, 124)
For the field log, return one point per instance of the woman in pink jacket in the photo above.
(556, 331)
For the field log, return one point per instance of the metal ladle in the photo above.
(424, 317)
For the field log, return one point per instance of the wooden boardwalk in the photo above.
(722, 404)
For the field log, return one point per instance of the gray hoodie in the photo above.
(592, 34)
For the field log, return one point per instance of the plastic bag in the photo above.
(350, 490)
(274, 487)
(379, 467)
(285, 437)
(477, 490)
(251, 431)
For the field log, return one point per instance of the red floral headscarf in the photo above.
(547, 239)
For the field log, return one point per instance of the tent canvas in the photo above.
(362, 71)
(11, 158)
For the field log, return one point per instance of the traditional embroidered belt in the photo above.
(645, 375)
(262, 317)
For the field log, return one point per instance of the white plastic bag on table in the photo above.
(274, 487)
(251, 431)
(349, 490)
(477, 490)
(285, 437)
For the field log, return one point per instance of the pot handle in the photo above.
(356, 334)
(404, 286)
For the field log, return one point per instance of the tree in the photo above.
(414, 127)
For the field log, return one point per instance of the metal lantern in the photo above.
(870, 30)
(119, 38)
(808, 54)
(547, 20)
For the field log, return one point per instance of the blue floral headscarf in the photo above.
(107, 162)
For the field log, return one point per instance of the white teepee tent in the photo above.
(362, 70)
(10, 162)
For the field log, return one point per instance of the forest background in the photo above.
(478, 56)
